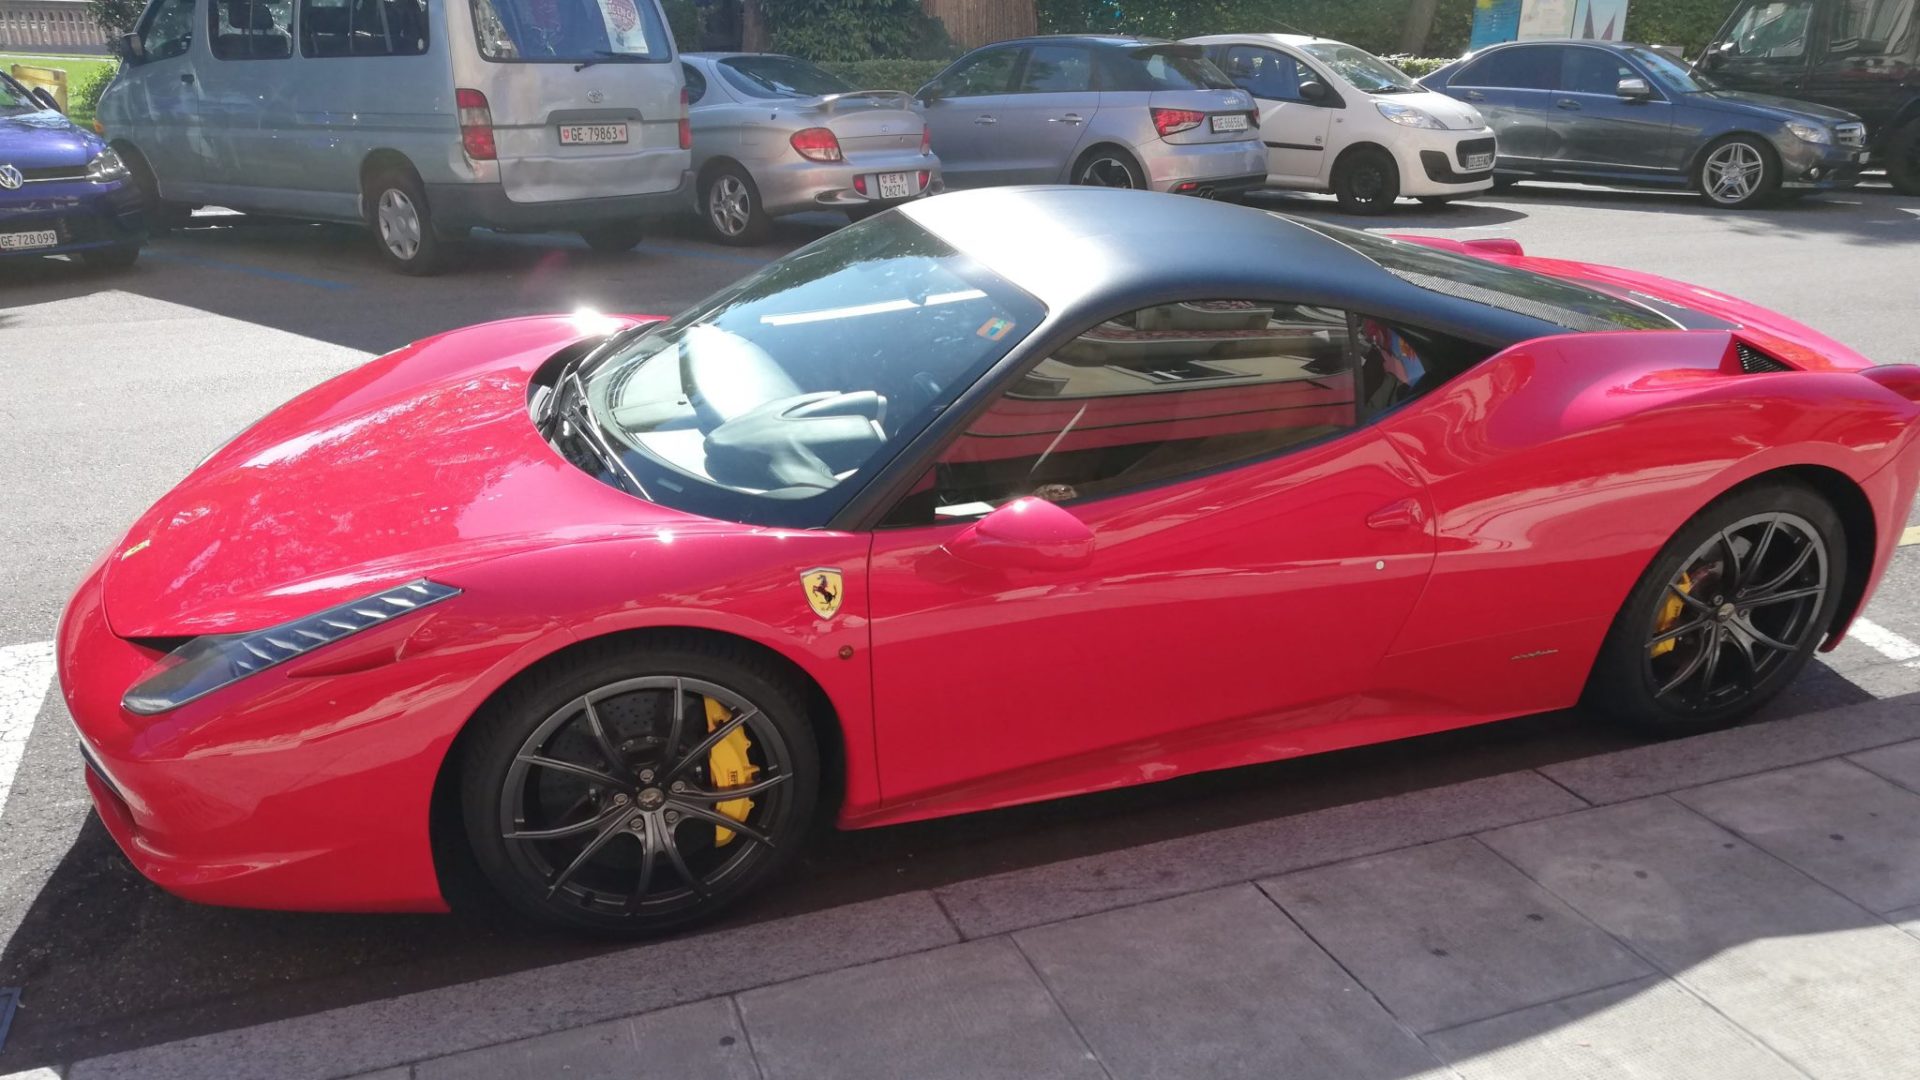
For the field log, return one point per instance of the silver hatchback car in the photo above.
(777, 135)
(1115, 111)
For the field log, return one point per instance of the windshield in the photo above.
(14, 98)
(780, 77)
(576, 31)
(772, 401)
(1367, 72)
(1507, 288)
(1672, 72)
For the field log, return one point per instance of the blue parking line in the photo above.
(255, 271)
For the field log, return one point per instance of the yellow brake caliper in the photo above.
(728, 766)
(1669, 615)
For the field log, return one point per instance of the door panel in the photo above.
(1513, 87)
(1866, 56)
(163, 95)
(1041, 125)
(964, 119)
(1766, 49)
(1598, 130)
(1294, 131)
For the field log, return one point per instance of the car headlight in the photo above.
(1408, 116)
(1812, 133)
(206, 664)
(106, 167)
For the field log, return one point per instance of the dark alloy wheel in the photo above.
(640, 794)
(1727, 614)
(1108, 167)
(1366, 181)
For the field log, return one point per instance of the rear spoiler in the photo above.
(834, 104)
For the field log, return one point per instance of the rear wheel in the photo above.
(1726, 615)
(1106, 166)
(614, 237)
(402, 223)
(634, 792)
(1903, 158)
(1366, 181)
(1738, 172)
(733, 212)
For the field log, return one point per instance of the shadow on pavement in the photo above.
(1884, 217)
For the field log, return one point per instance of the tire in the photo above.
(1903, 158)
(730, 205)
(118, 257)
(1366, 181)
(1107, 166)
(1738, 172)
(544, 879)
(614, 237)
(1669, 687)
(402, 223)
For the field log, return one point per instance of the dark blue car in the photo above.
(62, 191)
(1610, 113)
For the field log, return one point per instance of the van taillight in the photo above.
(686, 125)
(476, 124)
(817, 144)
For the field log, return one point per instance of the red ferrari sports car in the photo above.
(1002, 496)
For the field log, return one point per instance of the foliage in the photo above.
(1689, 24)
(1419, 67)
(684, 20)
(116, 17)
(908, 75)
(854, 29)
(1374, 25)
(84, 99)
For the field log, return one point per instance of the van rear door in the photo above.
(585, 97)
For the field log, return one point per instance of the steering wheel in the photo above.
(726, 376)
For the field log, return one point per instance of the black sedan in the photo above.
(1612, 113)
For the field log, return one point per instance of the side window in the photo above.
(251, 29)
(696, 83)
(1593, 71)
(1399, 363)
(1869, 27)
(363, 27)
(169, 29)
(1267, 74)
(981, 74)
(1159, 394)
(1527, 67)
(1057, 69)
(1772, 31)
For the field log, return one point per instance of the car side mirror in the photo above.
(929, 94)
(1633, 89)
(130, 48)
(44, 97)
(1026, 534)
(1313, 93)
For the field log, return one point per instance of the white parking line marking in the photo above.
(25, 673)
(1911, 536)
(1883, 641)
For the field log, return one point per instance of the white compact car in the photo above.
(1336, 118)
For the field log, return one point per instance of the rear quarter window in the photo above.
(1170, 69)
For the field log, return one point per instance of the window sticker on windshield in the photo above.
(995, 329)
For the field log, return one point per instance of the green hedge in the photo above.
(1374, 25)
(908, 75)
(1418, 66)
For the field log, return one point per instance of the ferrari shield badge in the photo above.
(822, 585)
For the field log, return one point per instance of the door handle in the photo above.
(1070, 118)
(1475, 95)
(1405, 514)
(986, 119)
(1567, 103)
(186, 77)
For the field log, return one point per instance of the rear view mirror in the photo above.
(1633, 88)
(1313, 93)
(129, 48)
(1026, 534)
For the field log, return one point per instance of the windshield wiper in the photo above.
(602, 56)
(576, 413)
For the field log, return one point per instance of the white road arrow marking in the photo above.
(25, 673)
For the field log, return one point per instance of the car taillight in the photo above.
(817, 144)
(926, 177)
(686, 125)
(476, 124)
(1172, 121)
(926, 140)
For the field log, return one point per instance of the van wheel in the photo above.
(614, 236)
(402, 225)
(1366, 181)
(1903, 159)
(730, 204)
(162, 216)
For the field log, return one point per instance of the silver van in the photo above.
(420, 120)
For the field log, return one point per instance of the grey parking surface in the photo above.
(117, 386)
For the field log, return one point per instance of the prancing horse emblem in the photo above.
(822, 585)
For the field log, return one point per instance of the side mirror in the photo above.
(45, 97)
(130, 48)
(929, 94)
(1026, 534)
(1633, 89)
(1313, 93)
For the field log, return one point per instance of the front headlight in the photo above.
(1812, 133)
(1408, 116)
(206, 664)
(106, 167)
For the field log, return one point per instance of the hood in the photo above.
(1782, 109)
(1456, 115)
(43, 140)
(415, 464)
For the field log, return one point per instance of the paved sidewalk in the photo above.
(1742, 905)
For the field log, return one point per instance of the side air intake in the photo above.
(1755, 362)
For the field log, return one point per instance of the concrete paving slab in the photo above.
(1852, 830)
(1824, 982)
(1649, 1029)
(702, 1041)
(1908, 920)
(1218, 985)
(975, 1010)
(1742, 751)
(1450, 932)
(379, 1034)
(1044, 894)
(1899, 763)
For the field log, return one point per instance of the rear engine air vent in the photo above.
(1755, 362)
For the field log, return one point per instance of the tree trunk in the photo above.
(753, 27)
(1419, 24)
(979, 22)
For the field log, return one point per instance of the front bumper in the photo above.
(85, 216)
(1809, 166)
(1217, 167)
(1438, 162)
(486, 206)
(789, 187)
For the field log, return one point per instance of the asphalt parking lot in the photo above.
(117, 385)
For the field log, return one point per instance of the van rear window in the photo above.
(571, 31)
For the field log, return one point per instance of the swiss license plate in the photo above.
(896, 185)
(1230, 122)
(27, 241)
(588, 134)
(1477, 162)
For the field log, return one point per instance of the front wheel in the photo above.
(402, 224)
(1366, 181)
(1726, 615)
(1903, 159)
(640, 790)
(1738, 172)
